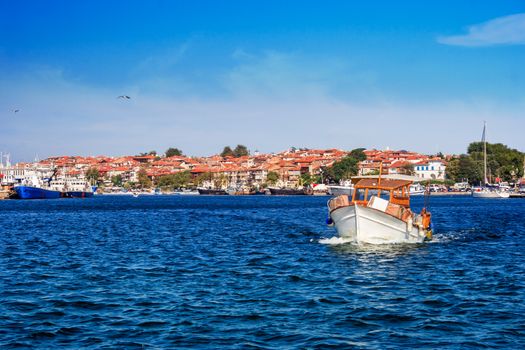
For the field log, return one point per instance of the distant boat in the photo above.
(417, 190)
(488, 190)
(212, 192)
(38, 187)
(78, 188)
(286, 191)
(344, 188)
(32, 192)
(187, 192)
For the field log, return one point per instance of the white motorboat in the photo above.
(344, 188)
(417, 189)
(384, 218)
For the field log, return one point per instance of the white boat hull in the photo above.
(490, 194)
(367, 225)
(340, 190)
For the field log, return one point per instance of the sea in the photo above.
(255, 272)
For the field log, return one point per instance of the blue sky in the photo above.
(419, 75)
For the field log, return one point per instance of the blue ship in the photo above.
(30, 192)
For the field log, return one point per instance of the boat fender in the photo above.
(409, 224)
(329, 221)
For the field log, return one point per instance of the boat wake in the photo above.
(335, 240)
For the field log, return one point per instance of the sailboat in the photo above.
(487, 190)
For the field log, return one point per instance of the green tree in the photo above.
(174, 181)
(144, 180)
(173, 152)
(272, 177)
(308, 179)
(240, 151)
(358, 154)
(226, 152)
(116, 180)
(464, 167)
(346, 167)
(200, 179)
(407, 169)
(502, 161)
(150, 153)
(92, 175)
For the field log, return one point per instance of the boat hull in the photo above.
(286, 192)
(205, 191)
(79, 194)
(367, 225)
(340, 190)
(29, 192)
(490, 194)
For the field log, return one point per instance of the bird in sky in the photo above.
(16, 110)
(124, 97)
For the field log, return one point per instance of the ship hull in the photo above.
(79, 194)
(367, 225)
(205, 191)
(29, 192)
(286, 192)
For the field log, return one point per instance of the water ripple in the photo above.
(256, 273)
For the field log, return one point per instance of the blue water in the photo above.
(254, 272)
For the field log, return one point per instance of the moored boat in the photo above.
(488, 190)
(384, 218)
(417, 189)
(78, 188)
(212, 192)
(344, 188)
(286, 191)
(33, 192)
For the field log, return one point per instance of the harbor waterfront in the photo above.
(255, 272)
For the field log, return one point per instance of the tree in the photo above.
(240, 151)
(345, 168)
(308, 179)
(173, 152)
(358, 154)
(227, 151)
(92, 175)
(502, 161)
(144, 180)
(200, 179)
(464, 167)
(407, 169)
(173, 181)
(150, 153)
(272, 177)
(116, 180)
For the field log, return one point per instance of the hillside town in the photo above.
(292, 168)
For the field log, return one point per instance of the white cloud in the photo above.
(507, 30)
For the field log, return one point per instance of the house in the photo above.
(432, 169)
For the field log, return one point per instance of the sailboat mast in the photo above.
(485, 152)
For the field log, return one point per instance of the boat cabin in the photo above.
(397, 191)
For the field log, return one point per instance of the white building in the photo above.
(432, 169)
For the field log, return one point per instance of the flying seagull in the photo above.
(124, 97)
